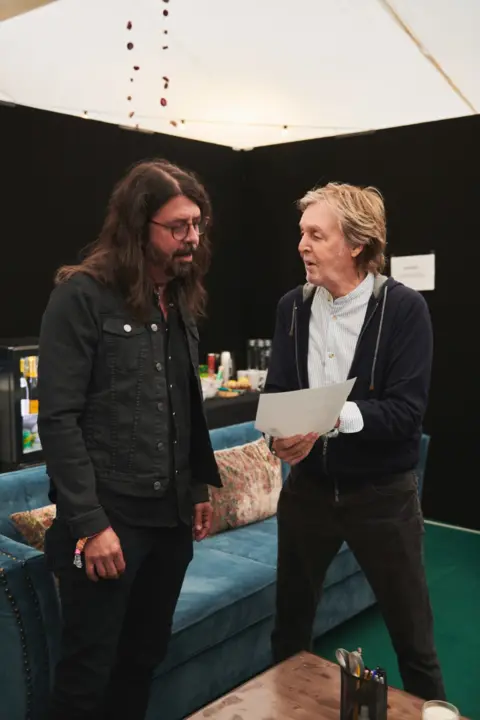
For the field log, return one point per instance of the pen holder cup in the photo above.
(358, 694)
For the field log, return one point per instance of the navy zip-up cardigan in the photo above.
(392, 365)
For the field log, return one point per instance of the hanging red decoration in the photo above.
(165, 47)
(129, 98)
(136, 67)
(130, 46)
(165, 13)
(131, 114)
(163, 102)
(129, 25)
(173, 123)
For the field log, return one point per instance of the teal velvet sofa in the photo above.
(222, 626)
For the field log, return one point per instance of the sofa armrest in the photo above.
(29, 630)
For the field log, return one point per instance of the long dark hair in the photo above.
(118, 256)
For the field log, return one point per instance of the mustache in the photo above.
(189, 249)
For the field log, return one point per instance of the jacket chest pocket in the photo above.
(125, 344)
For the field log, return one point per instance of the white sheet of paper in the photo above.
(302, 411)
(415, 271)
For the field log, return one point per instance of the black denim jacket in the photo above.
(103, 405)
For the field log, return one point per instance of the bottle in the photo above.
(268, 353)
(226, 363)
(261, 354)
(252, 363)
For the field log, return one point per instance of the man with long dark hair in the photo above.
(125, 439)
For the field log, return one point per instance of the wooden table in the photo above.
(302, 688)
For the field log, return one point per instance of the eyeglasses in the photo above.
(180, 230)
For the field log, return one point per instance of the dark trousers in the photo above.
(383, 526)
(115, 632)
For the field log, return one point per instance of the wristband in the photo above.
(79, 548)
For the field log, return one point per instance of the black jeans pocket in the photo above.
(395, 486)
(395, 500)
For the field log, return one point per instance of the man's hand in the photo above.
(294, 449)
(202, 521)
(104, 557)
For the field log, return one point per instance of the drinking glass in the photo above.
(439, 710)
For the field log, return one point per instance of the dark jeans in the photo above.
(383, 526)
(115, 632)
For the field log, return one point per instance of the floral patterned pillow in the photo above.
(33, 524)
(252, 480)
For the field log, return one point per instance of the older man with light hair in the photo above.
(358, 482)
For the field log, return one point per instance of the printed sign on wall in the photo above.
(414, 271)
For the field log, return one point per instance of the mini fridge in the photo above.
(19, 441)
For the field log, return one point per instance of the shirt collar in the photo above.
(362, 292)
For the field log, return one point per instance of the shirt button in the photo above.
(157, 485)
(158, 366)
(159, 446)
(334, 317)
(154, 327)
(171, 386)
(160, 406)
(331, 355)
(127, 328)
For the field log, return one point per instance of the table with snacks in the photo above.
(229, 402)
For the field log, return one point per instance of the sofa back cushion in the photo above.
(21, 490)
(252, 479)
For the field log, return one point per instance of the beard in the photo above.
(172, 266)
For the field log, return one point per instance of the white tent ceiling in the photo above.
(241, 70)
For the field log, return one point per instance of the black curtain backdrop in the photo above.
(58, 172)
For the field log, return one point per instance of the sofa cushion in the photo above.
(241, 434)
(222, 595)
(33, 524)
(258, 542)
(252, 479)
(21, 490)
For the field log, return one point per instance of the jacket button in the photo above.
(127, 328)
(159, 446)
(154, 327)
(157, 485)
(158, 366)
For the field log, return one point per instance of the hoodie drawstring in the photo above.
(372, 376)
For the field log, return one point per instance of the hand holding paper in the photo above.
(301, 412)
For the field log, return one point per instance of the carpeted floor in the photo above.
(453, 569)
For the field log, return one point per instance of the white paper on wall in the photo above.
(414, 271)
